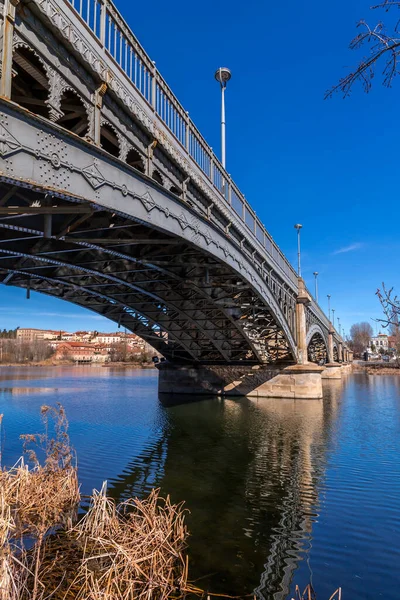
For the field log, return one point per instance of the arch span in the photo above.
(316, 329)
(335, 352)
(317, 345)
(111, 230)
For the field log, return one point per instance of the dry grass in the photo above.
(34, 502)
(39, 499)
(128, 552)
(131, 551)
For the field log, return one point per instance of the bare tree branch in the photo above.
(384, 47)
(391, 307)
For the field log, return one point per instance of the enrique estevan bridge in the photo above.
(110, 198)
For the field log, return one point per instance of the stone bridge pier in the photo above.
(333, 369)
(296, 380)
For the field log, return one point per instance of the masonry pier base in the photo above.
(332, 370)
(268, 381)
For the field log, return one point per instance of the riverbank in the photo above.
(67, 363)
(378, 368)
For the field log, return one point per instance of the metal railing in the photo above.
(107, 24)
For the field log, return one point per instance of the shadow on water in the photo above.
(249, 472)
(170, 400)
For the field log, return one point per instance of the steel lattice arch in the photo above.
(111, 199)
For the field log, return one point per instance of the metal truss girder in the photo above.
(201, 305)
(208, 332)
(170, 326)
(136, 325)
(233, 321)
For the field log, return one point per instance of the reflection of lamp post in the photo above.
(333, 318)
(223, 75)
(298, 227)
(329, 306)
(316, 286)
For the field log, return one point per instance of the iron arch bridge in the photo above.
(110, 198)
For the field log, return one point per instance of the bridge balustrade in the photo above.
(109, 27)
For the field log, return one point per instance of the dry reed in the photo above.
(131, 551)
(127, 552)
(35, 502)
(309, 594)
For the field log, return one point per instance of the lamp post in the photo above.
(338, 320)
(298, 227)
(329, 306)
(223, 75)
(316, 286)
(333, 318)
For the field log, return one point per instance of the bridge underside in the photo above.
(186, 303)
(317, 350)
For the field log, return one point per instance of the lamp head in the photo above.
(298, 226)
(223, 75)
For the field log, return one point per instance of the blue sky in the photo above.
(329, 164)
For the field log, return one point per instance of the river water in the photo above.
(279, 492)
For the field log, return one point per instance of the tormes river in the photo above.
(279, 492)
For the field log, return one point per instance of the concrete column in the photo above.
(7, 55)
(340, 352)
(302, 300)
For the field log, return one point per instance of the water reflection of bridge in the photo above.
(250, 474)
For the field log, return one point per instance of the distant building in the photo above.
(29, 334)
(378, 342)
(68, 337)
(85, 346)
(110, 338)
(52, 335)
(82, 352)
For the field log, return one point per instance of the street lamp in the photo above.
(329, 306)
(298, 227)
(338, 320)
(223, 75)
(333, 318)
(316, 286)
